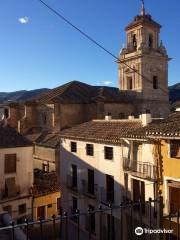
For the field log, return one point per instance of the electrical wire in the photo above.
(94, 41)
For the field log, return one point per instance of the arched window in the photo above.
(134, 42)
(155, 82)
(129, 83)
(150, 41)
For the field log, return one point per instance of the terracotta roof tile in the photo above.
(102, 131)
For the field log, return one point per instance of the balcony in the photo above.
(106, 197)
(89, 190)
(140, 169)
(72, 183)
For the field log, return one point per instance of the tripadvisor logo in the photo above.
(139, 231)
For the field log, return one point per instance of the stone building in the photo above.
(143, 84)
(143, 66)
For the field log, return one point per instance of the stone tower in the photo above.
(143, 66)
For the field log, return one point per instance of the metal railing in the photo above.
(61, 226)
(141, 169)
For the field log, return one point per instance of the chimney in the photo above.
(108, 117)
(146, 117)
(178, 109)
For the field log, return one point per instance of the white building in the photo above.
(101, 163)
(16, 173)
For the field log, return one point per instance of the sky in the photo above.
(39, 50)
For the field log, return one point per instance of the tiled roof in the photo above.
(143, 19)
(166, 128)
(51, 140)
(111, 131)
(78, 92)
(10, 138)
(45, 183)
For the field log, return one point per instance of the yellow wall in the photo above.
(45, 200)
(171, 169)
(171, 166)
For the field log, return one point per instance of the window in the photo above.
(73, 147)
(45, 167)
(58, 202)
(91, 181)
(150, 41)
(49, 206)
(89, 149)
(92, 221)
(155, 82)
(22, 208)
(129, 83)
(41, 212)
(108, 153)
(10, 163)
(7, 208)
(174, 199)
(175, 149)
(74, 175)
(10, 187)
(134, 42)
(74, 205)
(110, 188)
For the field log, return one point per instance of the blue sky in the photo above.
(46, 52)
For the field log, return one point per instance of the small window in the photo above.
(89, 149)
(108, 153)
(7, 208)
(155, 82)
(74, 205)
(175, 149)
(73, 147)
(58, 202)
(22, 208)
(150, 41)
(45, 167)
(129, 83)
(134, 42)
(49, 205)
(10, 163)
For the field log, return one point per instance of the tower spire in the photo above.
(142, 8)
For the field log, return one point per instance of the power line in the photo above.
(93, 40)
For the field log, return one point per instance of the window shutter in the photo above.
(10, 163)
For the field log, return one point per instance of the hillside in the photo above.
(22, 95)
(174, 93)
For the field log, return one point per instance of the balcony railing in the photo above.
(141, 169)
(89, 191)
(72, 183)
(106, 197)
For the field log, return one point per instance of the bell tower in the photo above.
(143, 65)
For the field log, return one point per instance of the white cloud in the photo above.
(23, 20)
(107, 83)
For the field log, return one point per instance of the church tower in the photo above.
(143, 66)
